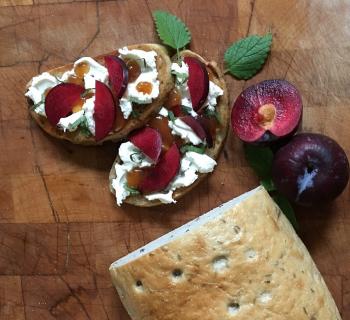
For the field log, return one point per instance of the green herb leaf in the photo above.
(186, 110)
(171, 116)
(84, 128)
(34, 106)
(260, 159)
(287, 209)
(246, 56)
(133, 191)
(171, 30)
(212, 114)
(188, 147)
(268, 184)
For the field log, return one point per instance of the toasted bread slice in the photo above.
(149, 110)
(223, 112)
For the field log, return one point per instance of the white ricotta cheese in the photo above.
(71, 122)
(149, 73)
(180, 128)
(96, 72)
(162, 197)
(202, 162)
(133, 95)
(163, 112)
(36, 91)
(180, 71)
(214, 92)
(131, 157)
(89, 109)
(126, 107)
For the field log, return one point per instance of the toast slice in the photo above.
(145, 112)
(242, 260)
(214, 152)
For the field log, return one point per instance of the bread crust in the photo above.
(269, 273)
(165, 85)
(224, 112)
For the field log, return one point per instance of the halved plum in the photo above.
(149, 141)
(104, 111)
(198, 81)
(60, 100)
(118, 74)
(159, 177)
(195, 126)
(267, 111)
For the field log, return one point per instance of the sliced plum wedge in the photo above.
(149, 141)
(118, 74)
(267, 111)
(60, 100)
(195, 125)
(104, 111)
(159, 176)
(198, 81)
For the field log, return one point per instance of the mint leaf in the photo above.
(246, 56)
(188, 147)
(171, 30)
(260, 159)
(268, 184)
(287, 209)
(133, 191)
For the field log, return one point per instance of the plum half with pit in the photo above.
(311, 169)
(267, 111)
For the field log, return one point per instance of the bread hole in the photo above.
(177, 275)
(265, 297)
(251, 255)
(220, 263)
(139, 286)
(237, 233)
(233, 308)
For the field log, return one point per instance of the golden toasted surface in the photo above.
(166, 84)
(224, 113)
(246, 264)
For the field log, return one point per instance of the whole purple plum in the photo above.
(310, 169)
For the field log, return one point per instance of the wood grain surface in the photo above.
(59, 226)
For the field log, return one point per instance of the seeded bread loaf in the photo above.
(148, 111)
(221, 133)
(241, 261)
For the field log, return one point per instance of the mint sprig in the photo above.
(171, 30)
(245, 57)
(260, 159)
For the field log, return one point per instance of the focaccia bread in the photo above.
(144, 112)
(213, 152)
(242, 260)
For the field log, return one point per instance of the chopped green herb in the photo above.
(34, 106)
(86, 92)
(84, 127)
(136, 157)
(171, 116)
(133, 191)
(188, 147)
(58, 79)
(212, 114)
(135, 114)
(268, 184)
(186, 110)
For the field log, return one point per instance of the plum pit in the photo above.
(267, 114)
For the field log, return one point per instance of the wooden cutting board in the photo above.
(59, 226)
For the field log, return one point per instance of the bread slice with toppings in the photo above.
(121, 127)
(221, 113)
